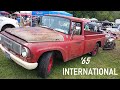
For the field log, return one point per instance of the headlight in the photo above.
(25, 52)
(110, 40)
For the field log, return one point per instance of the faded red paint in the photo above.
(36, 34)
(40, 40)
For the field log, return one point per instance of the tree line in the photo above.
(100, 15)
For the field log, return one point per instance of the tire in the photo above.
(114, 44)
(95, 50)
(45, 64)
(103, 49)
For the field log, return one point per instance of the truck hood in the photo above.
(35, 34)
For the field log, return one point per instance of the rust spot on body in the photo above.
(36, 34)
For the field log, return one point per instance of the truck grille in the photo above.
(10, 44)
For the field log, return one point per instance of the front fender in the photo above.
(63, 52)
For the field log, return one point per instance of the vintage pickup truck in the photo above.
(57, 37)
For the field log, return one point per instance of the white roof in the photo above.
(94, 19)
(26, 12)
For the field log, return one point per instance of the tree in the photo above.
(100, 15)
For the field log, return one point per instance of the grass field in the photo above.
(104, 59)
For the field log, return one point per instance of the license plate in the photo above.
(7, 55)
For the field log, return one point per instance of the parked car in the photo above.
(106, 24)
(93, 26)
(7, 23)
(114, 30)
(110, 41)
(57, 37)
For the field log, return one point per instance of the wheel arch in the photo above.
(55, 51)
(99, 43)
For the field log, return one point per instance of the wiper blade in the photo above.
(45, 26)
(60, 30)
(48, 27)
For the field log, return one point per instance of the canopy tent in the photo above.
(16, 13)
(85, 20)
(94, 19)
(26, 12)
(41, 13)
(4, 13)
(22, 14)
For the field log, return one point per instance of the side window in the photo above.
(76, 28)
(86, 27)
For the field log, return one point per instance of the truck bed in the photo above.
(91, 38)
(92, 35)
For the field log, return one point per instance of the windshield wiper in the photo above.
(60, 30)
(48, 27)
(44, 26)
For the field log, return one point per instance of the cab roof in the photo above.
(68, 17)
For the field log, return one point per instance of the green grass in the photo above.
(104, 59)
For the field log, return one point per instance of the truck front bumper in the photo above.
(19, 61)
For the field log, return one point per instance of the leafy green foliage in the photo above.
(100, 15)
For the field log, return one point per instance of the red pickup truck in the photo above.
(57, 37)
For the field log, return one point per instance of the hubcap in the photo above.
(50, 64)
(95, 51)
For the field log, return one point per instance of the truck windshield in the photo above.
(56, 23)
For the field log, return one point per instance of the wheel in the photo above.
(95, 50)
(45, 64)
(103, 48)
(113, 46)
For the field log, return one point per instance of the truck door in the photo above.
(77, 40)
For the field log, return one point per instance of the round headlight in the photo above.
(24, 52)
(111, 40)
